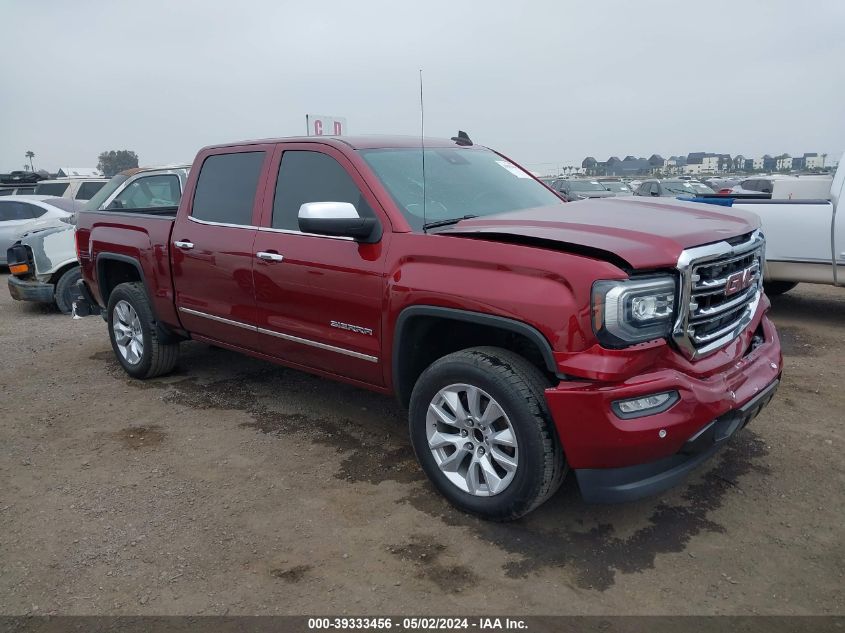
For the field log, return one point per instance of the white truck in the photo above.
(52, 247)
(805, 239)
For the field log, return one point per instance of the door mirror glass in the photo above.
(339, 219)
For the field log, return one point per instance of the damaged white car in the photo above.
(43, 262)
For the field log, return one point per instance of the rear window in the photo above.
(13, 210)
(226, 187)
(88, 189)
(51, 188)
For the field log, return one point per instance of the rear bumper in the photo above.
(31, 290)
(654, 451)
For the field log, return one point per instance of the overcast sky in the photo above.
(545, 82)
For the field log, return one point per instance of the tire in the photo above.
(777, 288)
(65, 292)
(130, 318)
(517, 386)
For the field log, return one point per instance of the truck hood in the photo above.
(643, 234)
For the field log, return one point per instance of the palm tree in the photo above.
(30, 155)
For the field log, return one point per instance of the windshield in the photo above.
(100, 197)
(616, 186)
(65, 204)
(458, 182)
(585, 185)
(686, 188)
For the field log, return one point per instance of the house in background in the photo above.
(78, 172)
(783, 162)
(813, 161)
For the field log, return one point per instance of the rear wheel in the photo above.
(482, 433)
(134, 335)
(776, 288)
(65, 293)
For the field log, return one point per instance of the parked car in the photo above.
(721, 185)
(510, 325)
(805, 238)
(577, 189)
(786, 187)
(671, 188)
(72, 188)
(17, 190)
(49, 268)
(618, 187)
(19, 214)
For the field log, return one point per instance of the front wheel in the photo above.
(483, 435)
(134, 336)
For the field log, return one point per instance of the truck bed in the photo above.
(136, 238)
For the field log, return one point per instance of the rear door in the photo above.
(319, 299)
(212, 245)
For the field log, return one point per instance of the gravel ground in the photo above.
(234, 486)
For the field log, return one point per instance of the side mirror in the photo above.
(115, 204)
(339, 219)
(655, 193)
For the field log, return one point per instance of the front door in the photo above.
(318, 298)
(213, 250)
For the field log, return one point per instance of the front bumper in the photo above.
(648, 454)
(31, 290)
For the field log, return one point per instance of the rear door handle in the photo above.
(183, 244)
(269, 256)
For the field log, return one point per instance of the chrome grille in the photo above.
(721, 285)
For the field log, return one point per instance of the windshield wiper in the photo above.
(432, 225)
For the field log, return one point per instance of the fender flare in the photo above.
(503, 323)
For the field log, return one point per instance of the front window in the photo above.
(458, 183)
(103, 194)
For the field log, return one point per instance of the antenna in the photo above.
(422, 142)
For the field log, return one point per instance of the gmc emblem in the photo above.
(739, 281)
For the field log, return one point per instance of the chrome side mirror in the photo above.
(340, 219)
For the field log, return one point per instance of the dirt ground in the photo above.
(234, 486)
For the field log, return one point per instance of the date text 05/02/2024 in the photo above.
(418, 623)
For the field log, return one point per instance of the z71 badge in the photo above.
(352, 328)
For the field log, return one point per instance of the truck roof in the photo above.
(355, 142)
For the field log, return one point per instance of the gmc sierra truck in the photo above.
(623, 339)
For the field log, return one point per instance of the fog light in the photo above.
(646, 405)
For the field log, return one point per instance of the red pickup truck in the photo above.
(626, 339)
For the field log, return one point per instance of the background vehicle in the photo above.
(805, 239)
(671, 188)
(19, 214)
(71, 188)
(512, 326)
(17, 190)
(721, 185)
(571, 190)
(617, 187)
(786, 187)
(49, 268)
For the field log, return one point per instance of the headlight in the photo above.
(633, 310)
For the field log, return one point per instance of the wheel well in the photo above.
(114, 272)
(422, 339)
(61, 271)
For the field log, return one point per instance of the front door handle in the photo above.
(269, 256)
(183, 244)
